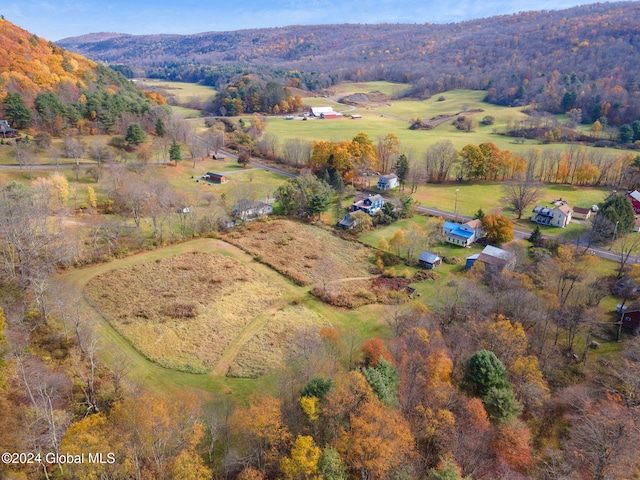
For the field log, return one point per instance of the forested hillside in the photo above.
(47, 87)
(585, 57)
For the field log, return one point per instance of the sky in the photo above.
(54, 20)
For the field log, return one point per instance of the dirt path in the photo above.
(234, 348)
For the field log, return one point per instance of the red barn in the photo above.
(635, 200)
(214, 177)
(630, 318)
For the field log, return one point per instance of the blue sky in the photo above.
(58, 19)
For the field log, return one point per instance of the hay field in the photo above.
(183, 311)
(279, 338)
(303, 253)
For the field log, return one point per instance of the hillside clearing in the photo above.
(182, 311)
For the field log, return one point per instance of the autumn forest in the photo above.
(217, 284)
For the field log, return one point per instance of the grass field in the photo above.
(382, 119)
(488, 196)
(182, 91)
(267, 348)
(388, 88)
(261, 342)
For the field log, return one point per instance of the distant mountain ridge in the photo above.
(518, 59)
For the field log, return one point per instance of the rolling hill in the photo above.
(585, 57)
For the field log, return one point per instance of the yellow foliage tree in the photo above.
(261, 428)
(504, 338)
(303, 462)
(92, 199)
(60, 188)
(311, 407)
(528, 381)
(188, 464)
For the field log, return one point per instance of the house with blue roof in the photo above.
(462, 234)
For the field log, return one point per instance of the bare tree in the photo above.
(438, 161)
(522, 193)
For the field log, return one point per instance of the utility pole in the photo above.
(615, 231)
(455, 207)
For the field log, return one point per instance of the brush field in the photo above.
(182, 312)
(303, 253)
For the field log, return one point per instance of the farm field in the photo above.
(182, 312)
(395, 117)
(182, 91)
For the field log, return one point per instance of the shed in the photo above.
(471, 260)
(583, 213)
(429, 260)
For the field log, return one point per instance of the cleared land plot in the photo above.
(304, 253)
(268, 347)
(182, 311)
(387, 88)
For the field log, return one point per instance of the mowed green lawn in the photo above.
(489, 196)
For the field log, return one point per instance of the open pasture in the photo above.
(268, 347)
(181, 91)
(388, 88)
(380, 119)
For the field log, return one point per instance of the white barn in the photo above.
(319, 111)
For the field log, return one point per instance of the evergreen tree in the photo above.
(135, 135)
(535, 236)
(402, 169)
(483, 372)
(317, 387)
(479, 215)
(175, 152)
(626, 133)
(160, 128)
(383, 379)
(501, 405)
(17, 113)
(619, 211)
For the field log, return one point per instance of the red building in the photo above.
(635, 200)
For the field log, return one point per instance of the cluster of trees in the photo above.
(574, 165)
(71, 109)
(251, 95)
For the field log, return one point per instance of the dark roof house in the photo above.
(429, 260)
(495, 259)
(6, 131)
